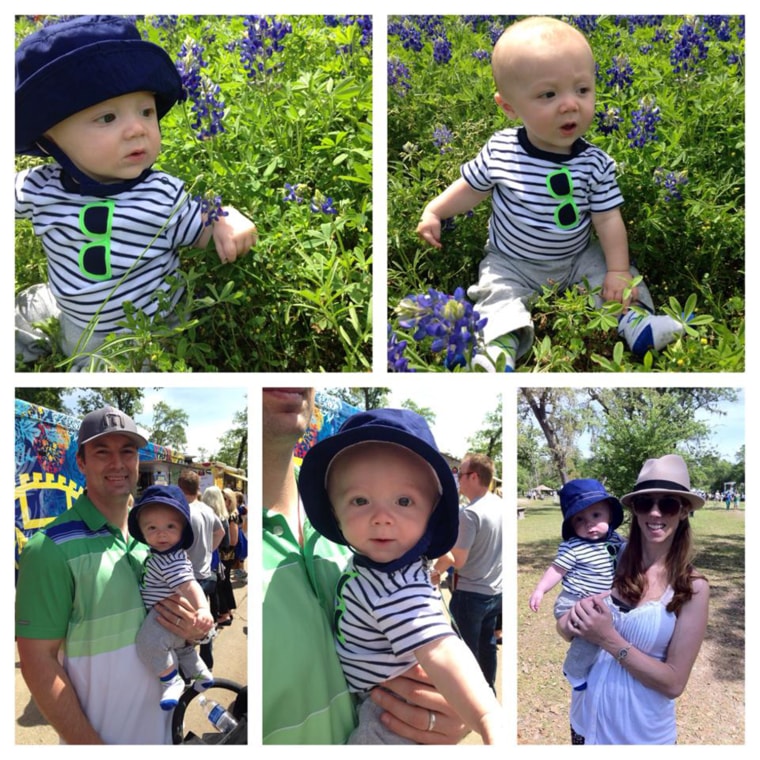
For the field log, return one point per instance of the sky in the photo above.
(210, 411)
(458, 415)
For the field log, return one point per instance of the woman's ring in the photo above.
(574, 623)
(178, 620)
(431, 720)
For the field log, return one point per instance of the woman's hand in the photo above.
(177, 615)
(416, 711)
(591, 619)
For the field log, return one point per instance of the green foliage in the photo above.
(684, 189)
(301, 299)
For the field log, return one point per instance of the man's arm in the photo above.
(53, 691)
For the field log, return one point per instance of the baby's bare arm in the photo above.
(457, 198)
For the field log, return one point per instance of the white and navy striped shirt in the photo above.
(164, 572)
(382, 618)
(589, 565)
(522, 223)
(102, 252)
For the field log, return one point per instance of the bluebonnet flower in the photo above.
(397, 362)
(398, 76)
(721, 25)
(450, 321)
(408, 33)
(609, 120)
(263, 38)
(442, 136)
(585, 23)
(671, 182)
(363, 22)
(691, 47)
(211, 207)
(207, 105)
(620, 73)
(292, 193)
(322, 204)
(482, 55)
(645, 119)
(441, 50)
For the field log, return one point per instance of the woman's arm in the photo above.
(669, 677)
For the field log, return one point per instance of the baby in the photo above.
(90, 94)
(548, 189)
(585, 562)
(380, 486)
(161, 519)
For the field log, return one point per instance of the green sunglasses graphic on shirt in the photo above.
(559, 183)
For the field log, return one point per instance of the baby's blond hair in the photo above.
(529, 34)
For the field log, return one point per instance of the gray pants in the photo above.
(370, 730)
(581, 654)
(506, 285)
(36, 304)
(161, 650)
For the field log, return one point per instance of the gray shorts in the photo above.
(505, 286)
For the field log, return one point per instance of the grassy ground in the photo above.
(711, 710)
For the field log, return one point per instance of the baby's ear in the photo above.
(504, 106)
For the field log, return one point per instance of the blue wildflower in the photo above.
(263, 38)
(609, 120)
(292, 193)
(398, 76)
(691, 47)
(211, 208)
(442, 137)
(204, 95)
(449, 322)
(620, 73)
(671, 182)
(645, 119)
(397, 362)
(441, 50)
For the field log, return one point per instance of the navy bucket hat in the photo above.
(169, 496)
(403, 428)
(577, 495)
(63, 68)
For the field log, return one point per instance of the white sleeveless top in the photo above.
(618, 709)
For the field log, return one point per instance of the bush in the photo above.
(670, 111)
(277, 122)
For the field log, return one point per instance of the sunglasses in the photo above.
(559, 183)
(668, 505)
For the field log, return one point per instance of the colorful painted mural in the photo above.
(330, 413)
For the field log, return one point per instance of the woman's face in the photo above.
(658, 516)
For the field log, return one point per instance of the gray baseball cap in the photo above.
(107, 421)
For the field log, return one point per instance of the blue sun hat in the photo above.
(577, 495)
(403, 428)
(168, 496)
(63, 68)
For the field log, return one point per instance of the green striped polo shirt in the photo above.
(305, 696)
(79, 582)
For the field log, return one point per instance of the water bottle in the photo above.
(220, 718)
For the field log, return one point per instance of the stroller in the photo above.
(238, 707)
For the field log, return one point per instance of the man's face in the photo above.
(467, 479)
(110, 466)
(286, 413)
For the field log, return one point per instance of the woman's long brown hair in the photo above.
(631, 580)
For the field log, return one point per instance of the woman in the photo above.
(224, 599)
(646, 661)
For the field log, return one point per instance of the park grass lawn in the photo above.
(711, 710)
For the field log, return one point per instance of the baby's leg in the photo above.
(370, 729)
(155, 647)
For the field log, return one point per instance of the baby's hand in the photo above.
(204, 619)
(429, 229)
(234, 234)
(535, 600)
(615, 285)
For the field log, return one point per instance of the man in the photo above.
(78, 595)
(305, 697)
(208, 533)
(476, 600)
